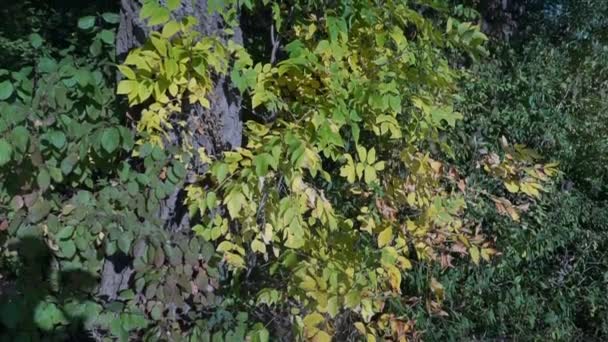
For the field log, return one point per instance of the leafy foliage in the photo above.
(347, 83)
(547, 282)
(73, 200)
(373, 162)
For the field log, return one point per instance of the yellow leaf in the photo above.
(203, 155)
(313, 319)
(505, 207)
(362, 153)
(173, 89)
(348, 170)
(360, 327)
(321, 336)
(159, 44)
(128, 72)
(371, 156)
(268, 233)
(359, 168)
(474, 251)
(258, 246)
(437, 289)
(411, 199)
(234, 260)
(405, 263)
(144, 92)
(486, 253)
(531, 189)
(512, 186)
(257, 99)
(308, 283)
(436, 166)
(235, 201)
(204, 102)
(127, 87)
(394, 278)
(385, 237)
(370, 174)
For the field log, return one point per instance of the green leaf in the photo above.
(110, 139)
(67, 248)
(95, 48)
(43, 179)
(48, 315)
(47, 65)
(352, 299)
(173, 4)
(6, 90)
(220, 170)
(260, 335)
(39, 210)
(57, 138)
(20, 138)
(333, 306)
(65, 233)
(35, 40)
(170, 29)
(179, 170)
(445, 113)
(124, 243)
(87, 22)
(258, 246)
(159, 16)
(158, 153)
(83, 77)
(262, 162)
(56, 174)
(117, 330)
(67, 165)
(6, 151)
(111, 18)
(107, 36)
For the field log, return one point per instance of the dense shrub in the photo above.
(544, 88)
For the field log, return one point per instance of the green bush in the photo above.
(544, 89)
(72, 197)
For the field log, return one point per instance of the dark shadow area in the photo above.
(55, 20)
(33, 299)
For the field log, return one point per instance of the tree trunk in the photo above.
(217, 129)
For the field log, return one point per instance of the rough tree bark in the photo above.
(217, 129)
